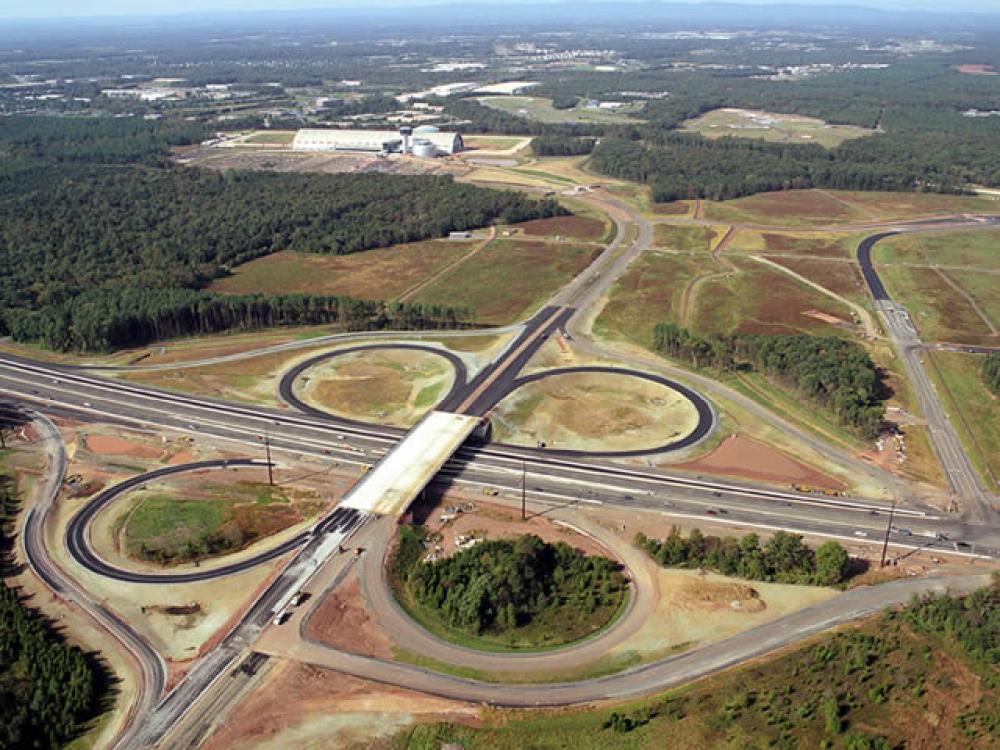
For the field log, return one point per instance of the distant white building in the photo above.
(379, 141)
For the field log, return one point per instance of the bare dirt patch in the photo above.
(341, 621)
(743, 457)
(977, 70)
(594, 411)
(108, 445)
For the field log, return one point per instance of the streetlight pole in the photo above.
(888, 530)
(267, 451)
(524, 480)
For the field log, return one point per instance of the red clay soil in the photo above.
(108, 445)
(743, 457)
(580, 227)
(342, 622)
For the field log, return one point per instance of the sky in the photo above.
(77, 9)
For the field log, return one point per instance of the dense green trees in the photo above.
(833, 373)
(48, 689)
(558, 145)
(784, 559)
(991, 372)
(500, 585)
(97, 256)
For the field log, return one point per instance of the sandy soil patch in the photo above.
(694, 608)
(743, 457)
(390, 386)
(593, 411)
(341, 621)
(108, 445)
(490, 521)
(307, 708)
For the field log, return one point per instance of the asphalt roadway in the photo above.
(958, 470)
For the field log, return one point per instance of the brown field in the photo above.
(784, 244)
(382, 274)
(509, 279)
(577, 227)
(840, 278)
(677, 208)
(390, 386)
(743, 457)
(341, 621)
(108, 445)
(593, 411)
(829, 207)
(686, 239)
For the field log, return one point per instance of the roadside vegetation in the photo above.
(991, 372)
(923, 677)
(49, 690)
(784, 559)
(508, 593)
(175, 528)
(832, 373)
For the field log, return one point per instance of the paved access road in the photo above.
(974, 500)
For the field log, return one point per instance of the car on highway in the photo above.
(711, 512)
(860, 533)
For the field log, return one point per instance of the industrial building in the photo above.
(425, 141)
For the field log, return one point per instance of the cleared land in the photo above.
(973, 408)
(593, 411)
(830, 207)
(576, 227)
(271, 137)
(541, 109)
(385, 273)
(968, 248)
(743, 457)
(775, 128)
(389, 386)
(510, 279)
(686, 239)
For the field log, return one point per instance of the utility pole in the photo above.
(888, 530)
(267, 451)
(524, 488)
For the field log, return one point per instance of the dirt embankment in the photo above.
(341, 621)
(743, 457)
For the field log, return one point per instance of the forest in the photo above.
(835, 374)
(95, 255)
(991, 372)
(48, 689)
(499, 585)
(550, 145)
(784, 559)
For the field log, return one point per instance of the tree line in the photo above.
(499, 585)
(555, 145)
(106, 319)
(48, 688)
(783, 559)
(832, 373)
(991, 372)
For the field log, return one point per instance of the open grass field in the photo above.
(973, 409)
(686, 239)
(203, 521)
(509, 279)
(796, 243)
(759, 299)
(940, 312)
(593, 411)
(385, 273)
(541, 109)
(388, 386)
(771, 127)
(830, 207)
(843, 690)
(970, 248)
(271, 137)
(493, 142)
(650, 292)
(574, 227)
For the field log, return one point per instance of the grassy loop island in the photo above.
(506, 594)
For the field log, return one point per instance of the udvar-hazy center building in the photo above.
(425, 141)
